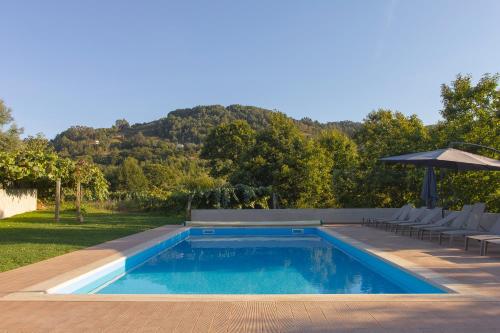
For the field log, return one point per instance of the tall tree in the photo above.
(284, 159)
(471, 114)
(344, 160)
(9, 132)
(132, 177)
(386, 133)
(225, 145)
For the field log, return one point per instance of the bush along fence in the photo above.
(227, 196)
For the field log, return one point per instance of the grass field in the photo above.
(31, 237)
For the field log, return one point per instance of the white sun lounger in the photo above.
(488, 242)
(493, 233)
(430, 216)
(400, 215)
(453, 220)
(421, 228)
(415, 216)
(471, 226)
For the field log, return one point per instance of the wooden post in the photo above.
(79, 216)
(58, 199)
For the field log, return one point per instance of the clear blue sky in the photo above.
(66, 63)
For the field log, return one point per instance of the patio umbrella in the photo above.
(429, 188)
(448, 158)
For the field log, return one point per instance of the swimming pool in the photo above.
(250, 261)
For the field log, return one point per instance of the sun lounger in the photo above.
(413, 214)
(489, 241)
(493, 233)
(431, 215)
(416, 217)
(401, 215)
(471, 227)
(450, 222)
(439, 223)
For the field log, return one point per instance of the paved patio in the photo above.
(476, 310)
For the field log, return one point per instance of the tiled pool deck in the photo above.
(475, 308)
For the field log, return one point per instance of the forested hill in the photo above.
(181, 132)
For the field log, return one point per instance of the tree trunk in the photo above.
(58, 199)
(79, 216)
(188, 207)
(274, 201)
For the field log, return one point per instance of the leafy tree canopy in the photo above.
(291, 164)
(471, 114)
(132, 177)
(386, 133)
(35, 164)
(225, 145)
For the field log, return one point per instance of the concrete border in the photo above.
(253, 223)
(327, 215)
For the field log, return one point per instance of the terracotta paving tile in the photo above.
(220, 322)
(237, 321)
(284, 316)
(205, 317)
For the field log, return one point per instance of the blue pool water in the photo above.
(246, 263)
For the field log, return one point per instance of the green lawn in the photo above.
(31, 237)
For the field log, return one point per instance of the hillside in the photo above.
(180, 133)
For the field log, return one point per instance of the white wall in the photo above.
(14, 202)
(327, 215)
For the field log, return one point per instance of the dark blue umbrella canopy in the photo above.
(448, 158)
(429, 188)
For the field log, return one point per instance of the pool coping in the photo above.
(459, 291)
(453, 287)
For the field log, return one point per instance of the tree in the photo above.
(225, 144)
(35, 165)
(9, 137)
(131, 176)
(471, 113)
(121, 125)
(386, 133)
(344, 160)
(283, 158)
(28, 167)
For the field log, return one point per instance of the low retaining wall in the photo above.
(327, 215)
(18, 201)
